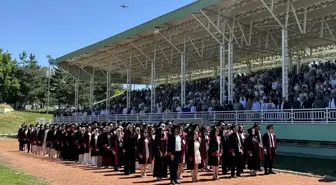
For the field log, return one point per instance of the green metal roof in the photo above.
(176, 14)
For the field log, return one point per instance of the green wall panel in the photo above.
(314, 132)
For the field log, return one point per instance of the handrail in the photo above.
(275, 116)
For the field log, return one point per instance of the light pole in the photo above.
(50, 61)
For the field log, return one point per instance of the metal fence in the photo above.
(289, 116)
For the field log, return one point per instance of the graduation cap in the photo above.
(269, 126)
(162, 125)
(175, 126)
(233, 126)
(256, 125)
(249, 131)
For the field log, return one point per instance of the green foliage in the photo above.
(10, 177)
(10, 122)
(24, 82)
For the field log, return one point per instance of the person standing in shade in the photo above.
(174, 153)
(160, 152)
(236, 149)
(194, 155)
(270, 147)
(215, 152)
(129, 148)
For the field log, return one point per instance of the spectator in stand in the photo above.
(313, 87)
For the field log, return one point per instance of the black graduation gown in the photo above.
(117, 148)
(86, 142)
(106, 153)
(129, 145)
(214, 150)
(94, 145)
(160, 163)
(58, 140)
(252, 147)
(65, 146)
(190, 156)
(236, 161)
(141, 150)
(73, 147)
(40, 137)
(81, 143)
(50, 138)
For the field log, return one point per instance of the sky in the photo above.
(58, 27)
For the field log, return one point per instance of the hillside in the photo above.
(10, 122)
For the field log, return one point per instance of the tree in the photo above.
(9, 84)
(32, 80)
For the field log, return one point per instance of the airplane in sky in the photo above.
(124, 6)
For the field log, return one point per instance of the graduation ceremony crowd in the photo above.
(156, 149)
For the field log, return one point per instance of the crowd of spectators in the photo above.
(313, 87)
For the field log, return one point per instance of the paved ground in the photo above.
(67, 173)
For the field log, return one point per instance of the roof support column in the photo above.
(285, 56)
(91, 95)
(222, 73)
(153, 83)
(108, 87)
(129, 88)
(298, 65)
(230, 71)
(284, 64)
(183, 75)
(76, 93)
(249, 67)
(76, 89)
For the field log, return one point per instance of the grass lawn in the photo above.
(11, 122)
(11, 177)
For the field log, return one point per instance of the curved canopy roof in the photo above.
(203, 25)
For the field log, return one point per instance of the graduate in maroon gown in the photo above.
(94, 147)
(106, 150)
(87, 146)
(270, 147)
(204, 147)
(253, 152)
(144, 151)
(160, 153)
(117, 144)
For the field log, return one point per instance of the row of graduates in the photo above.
(117, 145)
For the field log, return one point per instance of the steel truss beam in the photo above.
(153, 83)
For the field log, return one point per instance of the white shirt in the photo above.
(193, 109)
(271, 140)
(239, 143)
(147, 149)
(332, 103)
(178, 143)
(125, 110)
(274, 85)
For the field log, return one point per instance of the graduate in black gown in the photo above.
(20, 137)
(236, 149)
(144, 151)
(94, 147)
(215, 151)
(160, 153)
(174, 149)
(270, 147)
(253, 152)
(130, 142)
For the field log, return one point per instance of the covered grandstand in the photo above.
(208, 38)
